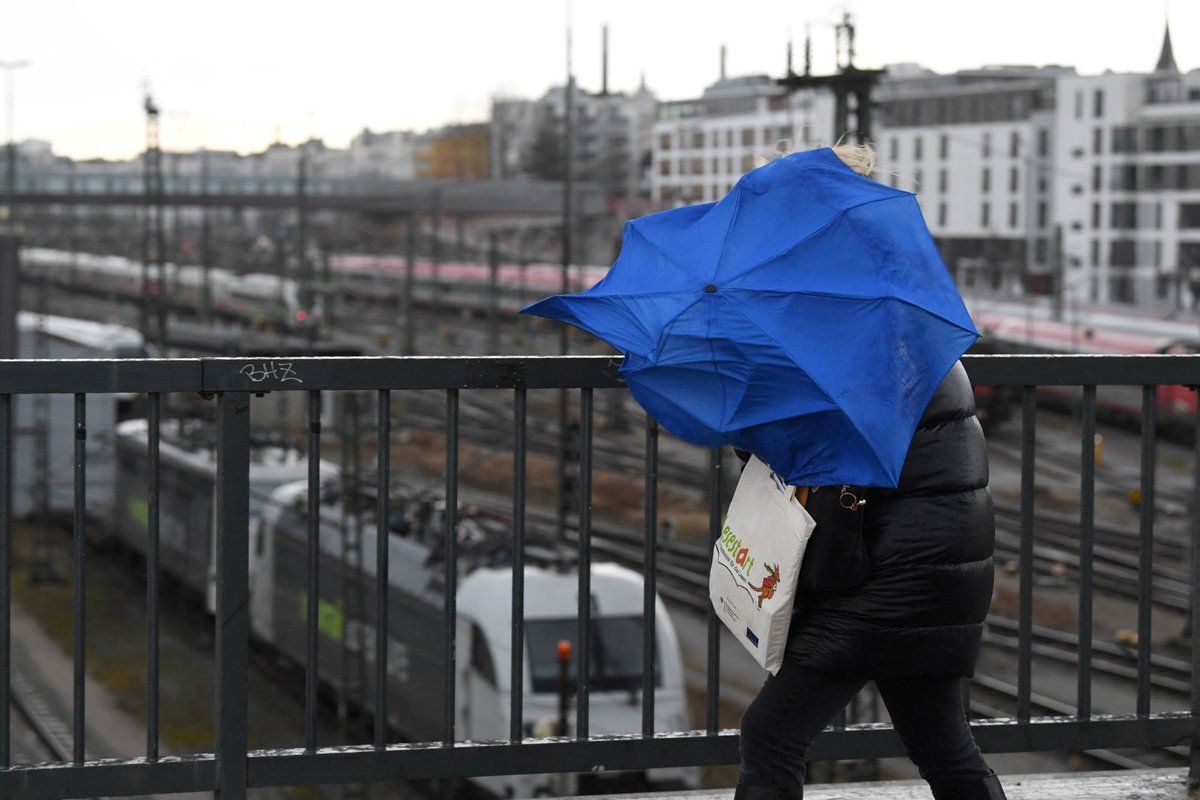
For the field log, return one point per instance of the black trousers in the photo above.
(794, 706)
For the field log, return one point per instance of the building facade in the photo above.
(702, 146)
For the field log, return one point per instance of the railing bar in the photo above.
(313, 595)
(381, 567)
(6, 483)
(1146, 556)
(516, 714)
(1087, 510)
(1025, 611)
(153, 515)
(1194, 760)
(79, 636)
(583, 650)
(649, 566)
(232, 619)
(451, 576)
(712, 718)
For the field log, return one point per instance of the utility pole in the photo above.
(410, 258)
(10, 293)
(306, 266)
(1056, 258)
(153, 236)
(205, 243)
(10, 180)
(564, 342)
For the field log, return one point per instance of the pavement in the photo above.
(1158, 784)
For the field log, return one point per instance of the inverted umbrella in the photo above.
(806, 317)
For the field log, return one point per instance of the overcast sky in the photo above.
(233, 74)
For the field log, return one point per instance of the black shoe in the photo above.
(988, 788)
(743, 792)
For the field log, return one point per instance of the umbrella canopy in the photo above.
(806, 317)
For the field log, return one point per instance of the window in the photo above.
(1012, 215)
(664, 167)
(1095, 216)
(1122, 253)
(481, 656)
(985, 215)
(729, 163)
(747, 163)
(1097, 177)
(697, 139)
(1123, 139)
(893, 148)
(1042, 184)
(1188, 254)
(716, 165)
(1041, 215)
(664, 141)
(987, 144)
(1095, 252)
(918, 147)
(1189, 215)
(1079, 104)
(1097, 141)
(747, 137)
(1014, 177)
(729, 137)
(1014, 144)
(943, 180)
(944, 146)
(1043, 142)
(1123, 216)
(697, 166)
(714, 140)
(1098, 103)
(941, 215)
(615, 653)
(986, 180)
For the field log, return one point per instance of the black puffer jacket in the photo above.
(930, 540)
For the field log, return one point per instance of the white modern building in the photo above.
(1127, 193)
(702, 146)
(977, 147)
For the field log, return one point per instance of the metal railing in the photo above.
(232, 767)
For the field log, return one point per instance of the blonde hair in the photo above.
(858, 157)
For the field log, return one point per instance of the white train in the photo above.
(416, 632)
(43, 427)
(254, 297)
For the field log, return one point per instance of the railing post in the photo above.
(233, 592)
(1194, 760)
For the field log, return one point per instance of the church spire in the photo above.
(1166, 59)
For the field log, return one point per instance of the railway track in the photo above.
(49, 734)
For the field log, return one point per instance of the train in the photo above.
(416, 633)
(187, 489)
(1014, 329)
(256, 298)
(44, 424)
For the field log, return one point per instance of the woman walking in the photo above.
(913, 626)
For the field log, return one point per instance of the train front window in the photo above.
(615, 653)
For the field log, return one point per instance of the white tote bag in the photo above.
(756, 561)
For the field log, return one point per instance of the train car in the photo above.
(187, 485)
(44, 431)
(1022, 333)
(416, 628)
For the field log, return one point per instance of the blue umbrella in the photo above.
(806, 317)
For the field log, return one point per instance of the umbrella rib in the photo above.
(841, 213)
(813, 378)
(737, 205)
